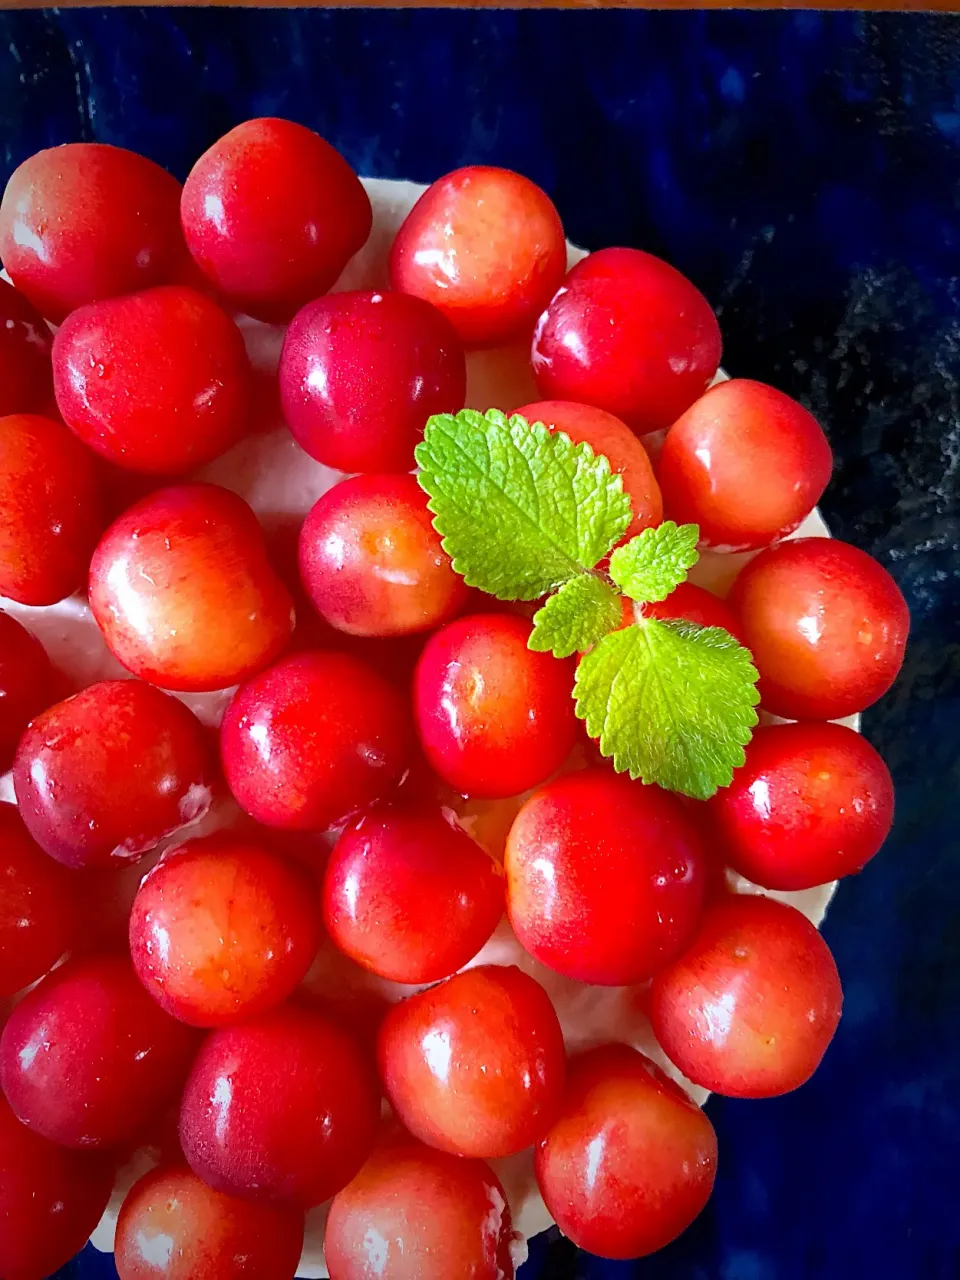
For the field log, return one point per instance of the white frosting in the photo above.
(281, 483)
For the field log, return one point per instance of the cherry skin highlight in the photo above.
(631, 1159)
(272, 214)
(314, 739)
(221, 929)
(746, 463)
(52, 510)
(612, 438)
(812, 803)
(629, 334)
(750, 1008)
(282, 1109)
(361, 373)
(413, 1212)
(87, 221)
(494, 717)
(103, 776)
(475, 1066)
(371, 560)
(38, 915)
(409, 895)
(827, 627)
(172, 1226)
(27, 683)
(693, 604)
(486, 247)
(50, 1200)
(181, 587)
(87, 1058)
(25, 341)
(605, 877)
(156, 382)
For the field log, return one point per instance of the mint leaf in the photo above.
(655, 561)
(671, 702)
(580, 614)
(520, 510)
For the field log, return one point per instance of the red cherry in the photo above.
(475, 1066)
(613, 439)
(283, 1108)
(313, 739)
(25, 381)
(38, 919)
(605, 877)
(693, 604)
(51, 510)
(172, 1226)
(272, 214)
(221, 929)
(372, 562)
(50, 1200)
(408, 894)
(630, 1161)
(750, 1008)
(87, 1058)
(28, 683)
(745, 463)
(101, 777)
(361, 373)
(87, 221)
(627, 333)
(486, 247)
(157, 382)
(412, 1212)
(826, 624)
(494, 717)
(812, 803)
(181, 587)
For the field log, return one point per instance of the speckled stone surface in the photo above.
(804, 169)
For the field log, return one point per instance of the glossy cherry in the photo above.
(272, 214)
(313, 739)
(372, 562)
(413, 1212)
(157, 382)
(361, 373)
(630, 1161)
(750, 1008)
(87, 1058)
(222, 929)
(39, 917)
(25, 378)
(694, 604)
(612, 438)
(605, 877)
(87, 221)
(826, 624)
(181, 587)
(486, 247)
(409, 895)
(282, 1108)
(812, 803)
(745, 463)
(50, 1200)
(628, 333)
(101, 777)
(475, 1066)
(52, 510)
(172, 1226)
(28, 683)
(494, 717)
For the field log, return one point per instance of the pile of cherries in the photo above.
(382, 701)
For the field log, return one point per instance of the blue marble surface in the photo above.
(804, 169)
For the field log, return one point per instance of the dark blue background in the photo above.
(804, 169)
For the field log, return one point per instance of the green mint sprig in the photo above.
(525, 513)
